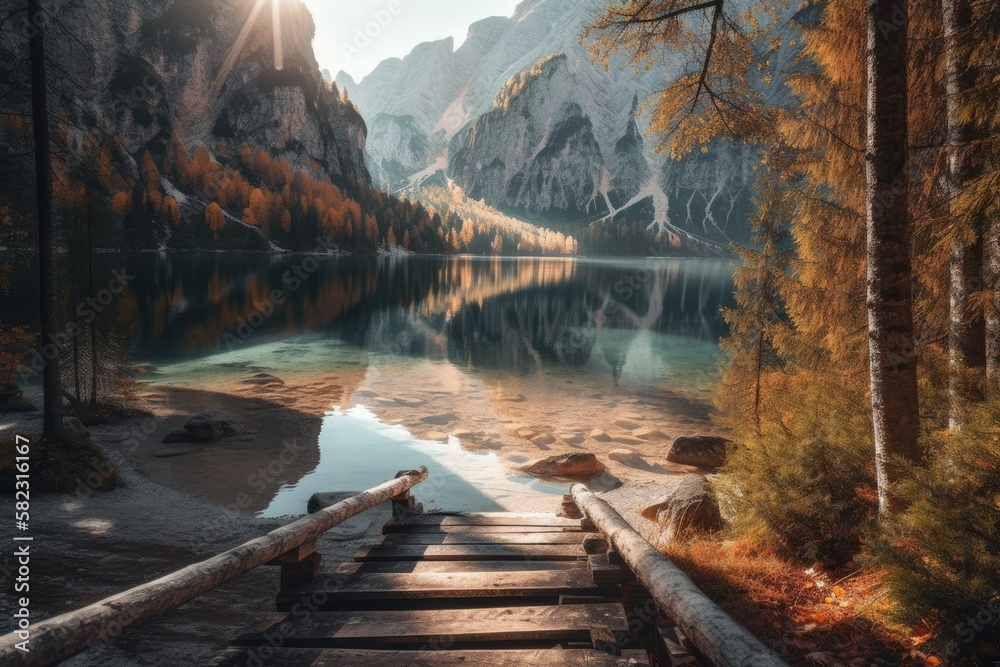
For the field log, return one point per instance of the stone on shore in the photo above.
(687, 509)
(705, 451)
(575, 466)
(204, 427)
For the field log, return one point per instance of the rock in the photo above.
(649, 433)
(320, 501)
(439, 420)
(263, 380)
(174, 437)
(600, 436)
(578, 465)
(410, 402)
(74, 432)
(686, 509)
(706, 451)
(352, 529)
(211, 426)
(543, 439)
(204, 427)
(624, 456)
(527, 433)
(626, 424)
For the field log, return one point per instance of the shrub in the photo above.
(805, 483)
(942, 555)
(59, 468)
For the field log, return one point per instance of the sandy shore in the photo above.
(178, 510)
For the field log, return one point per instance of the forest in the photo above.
(864, 370)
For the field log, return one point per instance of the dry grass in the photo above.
(810, 616)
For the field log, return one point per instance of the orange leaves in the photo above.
(15, 344)
(215, 218)
(122, 204)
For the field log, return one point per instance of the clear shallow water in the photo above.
(618, 329)
(358, 452)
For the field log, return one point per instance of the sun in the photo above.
(234, 53)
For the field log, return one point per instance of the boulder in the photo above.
(648, 433)
(74, 432)
(686, 509)
(210, 426)
(706, 451)
(204, 427)
(575, 466)
(626, 424)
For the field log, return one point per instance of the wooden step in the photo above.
(287, 657)
(444, 628)
(334, 591)
(491, 519)
(486, 538)
(428, 566)
(408, 528)
(459, 552)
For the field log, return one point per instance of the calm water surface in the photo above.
(645, 326)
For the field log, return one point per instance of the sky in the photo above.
(356, 35)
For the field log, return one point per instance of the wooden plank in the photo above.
(331, 591)
(429, 566)
(473, 552)
(392, 528)
(486, 538)
(240, 657)
(447, 628)
(56, 639)
(719, 639)
(491, 519)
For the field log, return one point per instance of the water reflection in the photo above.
(503, 314)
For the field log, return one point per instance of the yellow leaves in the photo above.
(933, 661)
(839, 592)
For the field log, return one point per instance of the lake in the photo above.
(470, 365)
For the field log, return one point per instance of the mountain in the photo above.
(136, 74)
(520, 116)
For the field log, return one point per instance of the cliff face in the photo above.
(534, 152)
(521, 117)
(141, 71)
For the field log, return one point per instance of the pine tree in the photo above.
(756, 324)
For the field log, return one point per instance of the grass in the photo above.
(59, 468)
(808, 615)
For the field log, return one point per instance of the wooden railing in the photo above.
(720, 641)
(290, 546)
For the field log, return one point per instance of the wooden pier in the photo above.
(476, 590)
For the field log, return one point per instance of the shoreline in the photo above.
(176, 511)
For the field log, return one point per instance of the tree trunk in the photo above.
(47, 279)
(90, 290)
(895, 410)
(967, 334)
(991, 252)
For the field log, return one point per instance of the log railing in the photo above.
(291, 546)
(721, 641)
